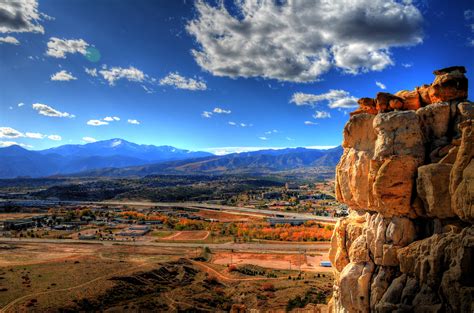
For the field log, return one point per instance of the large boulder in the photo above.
(434, 191)
(449, 84)
(434, 120)
(411, 99)
(392, 188)
(398, 133)
(352, 183)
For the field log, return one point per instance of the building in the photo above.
(18, 224)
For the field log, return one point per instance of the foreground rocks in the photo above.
(407, 175)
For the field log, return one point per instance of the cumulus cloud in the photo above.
(310, 123)
(380, 85)
(58, 48)
(21, 104)
(321, 114)
(111, 118)
(181, 82)
(407, 65)
(96, 123)
(221, 111)
(46, 110)
(8, 132)
(91, 71)
(134, 122)
(55, 137)
(20, 17)
(4, 144)
(263, 138)
(111, 75)
(232, 123)
(34, 135)
(10, 40)
(63, 76)
(89, 139)
(300, 40)
(206, 114)
(334, 99)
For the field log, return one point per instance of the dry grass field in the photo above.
(71, 277)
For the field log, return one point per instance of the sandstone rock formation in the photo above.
(407, 175)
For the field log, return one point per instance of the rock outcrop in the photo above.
(407, 175)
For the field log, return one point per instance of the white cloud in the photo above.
(310, 123)
(20, 16)
(63, 76)
(115, 73)
(407, 65)
(300, 40)
(334, 99)
(243, 125)
(221, 111)
(380, 85)
(4, 144)
(35, 135)
(58, 48)
(21, 104)
(89, 139)
(181, 82)
(46, 110)
(289, 139)
(55, 137)
(91, 71)
(273, 131)
(263, 138)
(321, 114)
(206, 114)
(8, 132)
(96, 123)
(10, 40)
(232, 123)
(111, 118)
(135, 122)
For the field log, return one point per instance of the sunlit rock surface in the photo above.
(407, 175)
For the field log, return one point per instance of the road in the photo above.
(259, 247)
(195, 205)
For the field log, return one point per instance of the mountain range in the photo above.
(119, 158)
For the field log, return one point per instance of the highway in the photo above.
(258, 247)
(196, 205)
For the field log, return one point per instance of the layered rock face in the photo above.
(407, 175)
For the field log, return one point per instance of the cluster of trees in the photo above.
(306, 232)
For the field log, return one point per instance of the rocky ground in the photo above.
(407, 175)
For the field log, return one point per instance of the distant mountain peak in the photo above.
(116, 142)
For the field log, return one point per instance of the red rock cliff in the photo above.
(407, 174)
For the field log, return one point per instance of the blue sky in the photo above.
(198, 75)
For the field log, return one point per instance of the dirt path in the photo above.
(212, 271)
(186, 238)
(17, 300)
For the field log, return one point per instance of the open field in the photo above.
(71, 276)
(279, 261)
